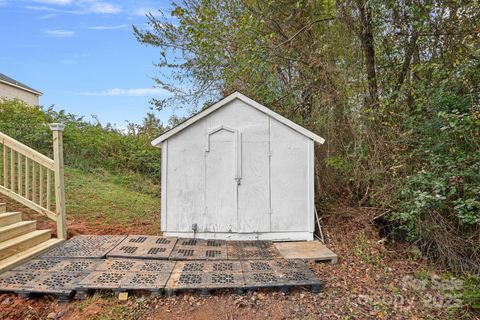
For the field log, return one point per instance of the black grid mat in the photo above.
(84, 246)
(26, 282)
(206, 275)
(279, 273)
(128, 274)
(143, 247)
(123, 281)
(60, 265)
(238, 265)
(198, 249)
(242, 250)
(133, 265)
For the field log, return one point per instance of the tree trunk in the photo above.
(368, 46)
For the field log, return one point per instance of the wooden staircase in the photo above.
(20, 240)
(37, 182)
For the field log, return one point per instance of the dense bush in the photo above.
(392, 86)
(86, 145)
(439, 202)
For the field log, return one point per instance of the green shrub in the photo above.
(439, 205)
(86, 145)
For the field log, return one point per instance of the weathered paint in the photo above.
(238, 173)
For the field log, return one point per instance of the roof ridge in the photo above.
(236, 95)
(8, 80)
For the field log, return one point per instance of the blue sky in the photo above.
(82, 55)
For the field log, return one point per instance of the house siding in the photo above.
(11, 92)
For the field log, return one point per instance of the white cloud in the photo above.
(134, 92)
(120, 26)
(77, 7)
(60, 33)
(56, 2)
(48, 16)
(103, 7)
(3, 2)
(142, 11)
(48, 9)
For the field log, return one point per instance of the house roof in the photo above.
(14, 83)
(236, 95)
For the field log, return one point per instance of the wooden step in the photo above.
(10, 218)
(3, 207)
(17, 259)
(15, 245)
(17, 229)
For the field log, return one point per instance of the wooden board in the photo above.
(306, 250)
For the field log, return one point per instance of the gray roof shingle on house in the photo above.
(13, 82)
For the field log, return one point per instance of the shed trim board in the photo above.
(237, 95)
(273, 236)
(238, 173)
(163, 191)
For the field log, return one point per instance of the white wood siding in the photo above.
(238, 174)
(289, 179)
(185, 178)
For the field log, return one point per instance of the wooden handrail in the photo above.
(26, 151)
(26, 177)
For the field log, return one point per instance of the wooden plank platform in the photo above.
(306, 250)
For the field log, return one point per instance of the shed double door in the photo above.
(237, 183)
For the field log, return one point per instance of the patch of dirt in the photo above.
(82, 227)
(77, 227)
(371, 281)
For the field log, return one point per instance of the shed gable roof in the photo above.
(14, 83)
(226, 100)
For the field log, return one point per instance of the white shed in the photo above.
(237, 170)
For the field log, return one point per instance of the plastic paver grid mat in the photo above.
(26, 282)
(128, 274)
(206, 275)
(198, 249)
(85, 247)
(144, 247)
(122, 281)
(133, 265)
(60, 265)
(243, 250)
(279, 273)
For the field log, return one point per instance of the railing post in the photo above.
(57, 130)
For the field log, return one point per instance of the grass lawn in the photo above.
(106, 201)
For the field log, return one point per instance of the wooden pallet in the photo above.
(313, 251)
